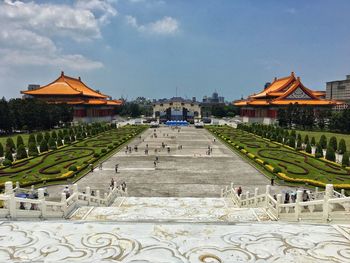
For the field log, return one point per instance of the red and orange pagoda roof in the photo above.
(72, 91)
(285, 91)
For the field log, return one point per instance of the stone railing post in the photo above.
(279, 202)
(342, 191)
(297, 206)
(222, 192)
(126, 191)
(32, 189)
(76, 192)
(326, 208)
(231, 186)
(316, 192)
(11, 202)
(63, 198)
(267, 193)
(64, 204)
(97, 195)
(247, 196)
(17, 184)
(41, 198)
(256, 193)
(88, 194)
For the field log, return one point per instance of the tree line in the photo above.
(32, 114)
(307, 118)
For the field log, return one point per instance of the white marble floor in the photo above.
(177, 243)
(158, 209)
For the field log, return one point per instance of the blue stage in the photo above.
(176, 123)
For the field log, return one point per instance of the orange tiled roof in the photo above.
(91, 102)
(285, 91)
(66, 85)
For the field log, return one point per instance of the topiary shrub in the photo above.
(342, 146)
(313, 141)
(59, 141)
(330, 153)
(277, 170)
(291, 142)
(323, 142)
(345, 161)
(115, 144)
(308, 148)
(319, 151)
(19, 141)
(10, 145)
(32, 149)
(110, 146)
(67, 140)
(306, 139)
(31, 139)
(21, 152)
(73, 168)
(52, 144)
(47, 136)
(8, 155)
(299, 137)
(103, 151)
(1, 150)
(39, 138)
(96, 155)
(299, 145)
(266, 162)
(43, 146)
(54, 135)
(333, 143)
(7, 162)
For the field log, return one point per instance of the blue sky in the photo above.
(148, 48)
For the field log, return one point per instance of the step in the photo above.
(170, 209)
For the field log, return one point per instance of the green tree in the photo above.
(342, 146)
(319, 151)
(39, 137)
(299, 144)
(333, 142)
(31, 139)
(32, 149)
(43, 146)
(52, 144)
(323, 141)
(21, 152)
(293, 133)
(8, 155)
(306, 139)
(67, 140)
(10, 145)
(1, 150)
(313, 141)
(54, 135)
(291, 141)
(308, 148)
(345, 160)
(19, 140)
(330, 153)
(299, 137)
(47, 136)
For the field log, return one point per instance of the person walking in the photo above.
(239, 191)
(155, 164)
(272, 181)
(112, 183)
(116, 168)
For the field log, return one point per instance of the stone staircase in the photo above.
(170, 209)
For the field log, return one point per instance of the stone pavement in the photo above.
(186, 172)
(176, 243)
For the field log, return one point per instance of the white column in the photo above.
(326, 208)
(41, 197)
(11, 203)
(256, 193)
(279, 202)
(342, 191)
(17, 184)
(267, 193)
(297, 206)
(88, 193)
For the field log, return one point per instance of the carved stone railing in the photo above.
(326, 206)
(12, 207)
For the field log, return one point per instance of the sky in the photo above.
(162, 48)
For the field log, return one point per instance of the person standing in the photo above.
(116, 168)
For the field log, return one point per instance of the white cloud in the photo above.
(28, 30)
(165, 26)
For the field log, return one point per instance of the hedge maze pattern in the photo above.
(52, 165)
(290, 162)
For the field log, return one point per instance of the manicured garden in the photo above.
(66, 158)
(291, 164)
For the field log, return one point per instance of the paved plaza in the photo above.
(186, 172)
(176, 243)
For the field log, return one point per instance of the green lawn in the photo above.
(293, 163)
(52, 165)
(317, 135)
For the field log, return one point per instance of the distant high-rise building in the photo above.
(214, 99)
(339, 90)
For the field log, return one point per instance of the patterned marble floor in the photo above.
(155, 209)
(177, 243)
